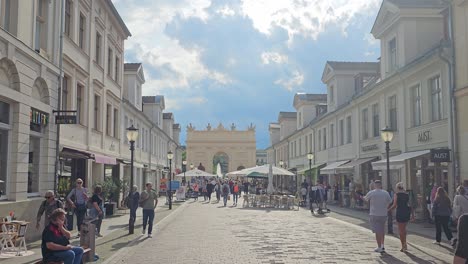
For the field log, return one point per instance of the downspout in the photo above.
(59, 95)
(452, 101)
(151, 149)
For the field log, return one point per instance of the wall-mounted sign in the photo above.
(424, 136)
(369, 147)
(440, 155)
(65, 117)
(38, 118)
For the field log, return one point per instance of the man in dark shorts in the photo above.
(461, 252)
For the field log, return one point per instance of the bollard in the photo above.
(88, 240)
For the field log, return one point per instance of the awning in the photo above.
(315, 166)
(129, 163)
(330, 168)
(98, 158)
(398, 162)
(75, 154)
(349, 167)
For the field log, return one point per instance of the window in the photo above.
(33, 166)
(349, 138)
(109, 62)
(324, 138)
(97, 106)
(332, 93)
(392, 55)
(320, 139)
(416, 104)
(79, 104)
(5, 14)
(375, 120)
(4, 139)
(341, 132)
(392, 115)
(98, 48)
(310, 143)
(109, 119)
(116, 123)
(306, 145)
(81, 36)
(41, 25)
(67, 17)
(300, 146)
(365, 124)
(126, 126)
(65, 93)
(436, 98)
(117, 67)
(332, 135)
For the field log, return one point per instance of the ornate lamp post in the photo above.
(170, 156)
(310, 157)
(387, 136)
(132, 135)
(184, 167)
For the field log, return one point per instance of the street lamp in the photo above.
(387, 136)
(132, 135)
(184, 166)
(310, 157)
(170, 156)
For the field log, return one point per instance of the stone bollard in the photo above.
(88, 240)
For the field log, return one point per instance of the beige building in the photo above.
(233, 149)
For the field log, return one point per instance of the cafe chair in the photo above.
(6, 238)
(21, 238)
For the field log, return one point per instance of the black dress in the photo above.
(403, 211)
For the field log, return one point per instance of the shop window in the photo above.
(4, 139)
(33, 165)
(70, 170)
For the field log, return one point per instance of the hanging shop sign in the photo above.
(38, 118)
(369, 147)
(440, 155)
(65, 117)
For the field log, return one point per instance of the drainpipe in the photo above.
(59, 95)
(151, 149)
(450, 60)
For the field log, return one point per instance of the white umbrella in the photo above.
(195, 173)
(270, 188)
(218, 170)
(265, 169)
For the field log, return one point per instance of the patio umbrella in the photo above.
(256, 175)
(265, 169)
(270, 188)
(218, 170)
(195, 173)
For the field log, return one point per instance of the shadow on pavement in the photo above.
(387, 258)
(112, 227)
(120, 245)
(424, 252)
(417, 259)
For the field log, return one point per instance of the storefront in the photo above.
(73, 165)
(358, 172)
(311, 175)
(338, 182)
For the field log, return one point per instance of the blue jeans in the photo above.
(235, 197)
(148, 217)
(72, 256)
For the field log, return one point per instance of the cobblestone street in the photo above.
(199, 232)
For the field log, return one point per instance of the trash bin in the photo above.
(88, 239)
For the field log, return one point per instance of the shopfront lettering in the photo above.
(369, 147)
(424, 136)
(440, 155)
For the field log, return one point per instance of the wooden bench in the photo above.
(40, 261)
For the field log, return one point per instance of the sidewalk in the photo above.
(423, 229)
(114, 230)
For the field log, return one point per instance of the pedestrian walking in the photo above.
(304, 193)
(77, 199)
(225, 192)
(379, 201)
(442, 210)
(47, 206)
(97, 210)
(246, 187)
(404, 213)
(217, 189)
(148, 201)
(312, 198)
(133, 199)
(460, 203)
(235, 194)
(461, 251)
(205, 191)
(195, 191)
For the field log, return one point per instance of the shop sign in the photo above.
(38, 118)
(424, 136)
(440, 155)
(65, 119)
(369, 147)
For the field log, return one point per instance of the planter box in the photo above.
(110, 208)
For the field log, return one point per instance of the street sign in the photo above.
(440, 155)
(65, 119)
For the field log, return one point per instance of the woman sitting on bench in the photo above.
(56, 246)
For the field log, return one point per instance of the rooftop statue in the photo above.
(190, 127)
(251, 127)
(233, 127)
(208, 127)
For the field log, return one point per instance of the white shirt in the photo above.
(379, 201)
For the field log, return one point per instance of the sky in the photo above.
(242, 61)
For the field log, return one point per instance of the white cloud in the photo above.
(369, 54)
(296, 80)
(370, 39)
(178, 66)
(304, 17)
(273, 57)
(180, 103)
(226, 11)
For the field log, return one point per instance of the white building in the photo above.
(406, 91)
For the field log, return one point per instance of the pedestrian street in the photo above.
(202, 232)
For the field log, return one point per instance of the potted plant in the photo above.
(111, 190)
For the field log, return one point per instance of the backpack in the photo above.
(225, 189)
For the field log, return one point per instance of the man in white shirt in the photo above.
(379, 201)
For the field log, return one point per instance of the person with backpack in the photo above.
(225, 192)
(235, 193)
(48, 206)
(148, 201)
(77, 200)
